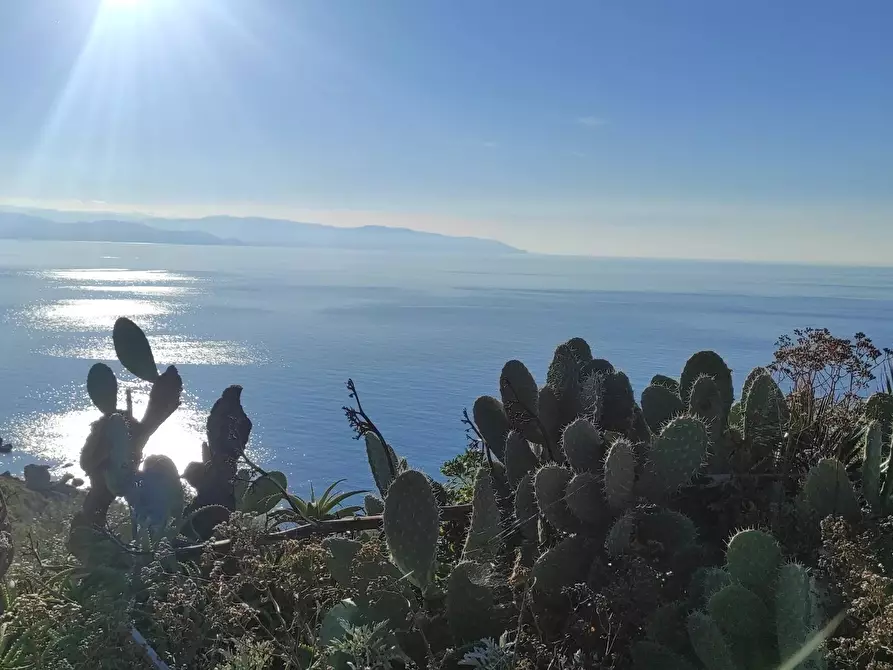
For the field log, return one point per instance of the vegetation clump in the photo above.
(585, 526)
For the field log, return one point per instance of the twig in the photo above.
(485, 446)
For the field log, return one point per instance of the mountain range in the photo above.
(21, 224)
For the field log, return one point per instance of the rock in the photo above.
(37, 477)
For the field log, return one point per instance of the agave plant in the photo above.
(327, 506)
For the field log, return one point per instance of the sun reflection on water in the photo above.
(117, 275)
(168, 350)
(94, 314)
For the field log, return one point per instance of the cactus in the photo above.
(158, 495)
(705, 402)
(739, 612)
(520, 397)
(519, 459)
(102, 386)
(709, 644)
(581, 350)
(620, 474)
(469, 603)
(618, 403)
(749, 380)
(648, 655)
(491, 420)
(562, 566)
(675, 457)
(382, 461)
(795, 614)
(753, 558)
(133, 350)
(711, 364)
(526, 510)
(597, 366)
(121, 470)
(871, 467)
(340, 554)
(484, 538)
(373, 505)
(765, 416)
(828, 491)
(585, 500)
(660, 405)
(583, 446)
(550, 483)
(666, 382)
(563, 377)
(549, 414)
(879, 407)
(411, 527)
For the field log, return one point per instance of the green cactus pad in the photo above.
(668, 529)
(133, 350)
(667, 382)
(618, 404)
(520, 398)
(382, 461)
(549, 414)
(373, 505)
(387, 606)
(794, 614)
(341, 552)
(828, 491)
(705, 403)
(707, 581)
(469, 603)
(564, 374)
(872, 447)
(879, 407)
(519, 459)
(580, 348)
(565, 564)
(620, 474)
(709, 644)
(550, 484)
(584, 447)
(620, 536)
(736, 414)
(491, 420)
(649, 655)
(597, 366)
(666, 626)
(103, 388)
(765, 415)
(484, 539)
(749, 380)
(121, 470)
(332, 628)
(660, 405)
(711, 364)
(526, 510)
(675, 457)
(739, 612)
(585, 499)
(411, 526)
(264, 493)
(753, 558)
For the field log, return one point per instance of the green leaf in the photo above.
(133, 350)
(264, 493)
(103, 388)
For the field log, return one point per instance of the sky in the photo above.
(692, 129)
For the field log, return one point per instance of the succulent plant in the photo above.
(675, 457)
(490, 418)
(484, 538)
(659, 405)
(411, 526)
(711, 364)
(519, 458)
(382, 461)
(520, 398)
(828, 491)
(584, 446)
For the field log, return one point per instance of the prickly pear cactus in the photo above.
(828, 491)
(705, 402)
(491, 420)
(121, 469)
(484, 539)
(469, 603)
(620, 474)
(665, 381)
(675, 457)
(660, 405)
(711, 364)
(411, 527)
(563, 377)
(585, 499)
(879, 407)
(753, 558)
(519, 459)
(133, 350)
(872, 448)
(382, 461)
(618, 404)
(584, 447)
(526, 510)
(550, 484)
(765, 416)
(158, 495)
(581, 350)
(520, 398)
(102, 388)
(795, 610)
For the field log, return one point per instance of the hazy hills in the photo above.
(226, 230)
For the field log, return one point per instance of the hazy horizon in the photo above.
(622, 130)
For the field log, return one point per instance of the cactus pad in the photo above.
(828, 490)
(564, 565)
(519, 459)
(705, 403)
(103, 388)
(620, 474)
(675, 457)
(871, 464)
(263, 493)
(526, 510)
(520, 398)
(133, 350)
(711, 364)
(585, 500)
(618, 403)
(753, 558)
(550, 483)
(794, 618)
(667, 382)
(660, 405)
(121, 470)
(580, 348)
(709, 643)
(382, 462)
(491, 420)
(411, 526)
(739, 612)
(484, 538)
(584, 447)
(469, 602)
(373, 505)
(341, 552)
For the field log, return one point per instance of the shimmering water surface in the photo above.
(422, 336)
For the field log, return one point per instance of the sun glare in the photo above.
(124, 3)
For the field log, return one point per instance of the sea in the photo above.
(422, 336)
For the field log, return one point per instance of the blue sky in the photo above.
(692, 128)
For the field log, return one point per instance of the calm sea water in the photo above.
(421, 336)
